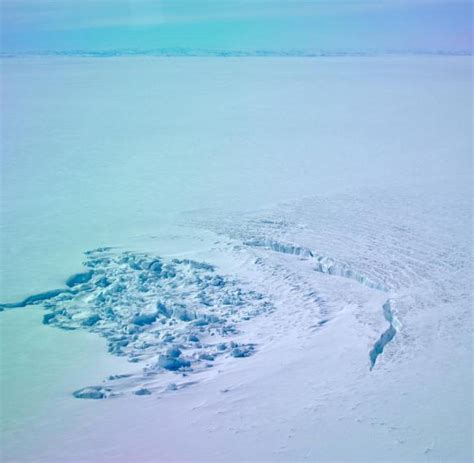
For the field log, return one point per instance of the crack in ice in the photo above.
(330, 266)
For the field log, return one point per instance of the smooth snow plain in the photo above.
(236, 259)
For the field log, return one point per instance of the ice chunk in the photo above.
(91, 320)
(92, 392)
(173, 352)
(242, 351)
(144, 319)
(79, 278)
(142, 391)
(171, 363)
(47, 318)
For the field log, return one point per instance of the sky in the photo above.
(247, 25)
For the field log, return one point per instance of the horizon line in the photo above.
(190, 52)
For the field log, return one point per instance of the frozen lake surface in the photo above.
(281, 249)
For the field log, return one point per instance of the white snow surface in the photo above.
(280, 248)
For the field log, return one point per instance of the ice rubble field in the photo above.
(323, 314)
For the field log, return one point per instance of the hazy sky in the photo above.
(309, 25)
